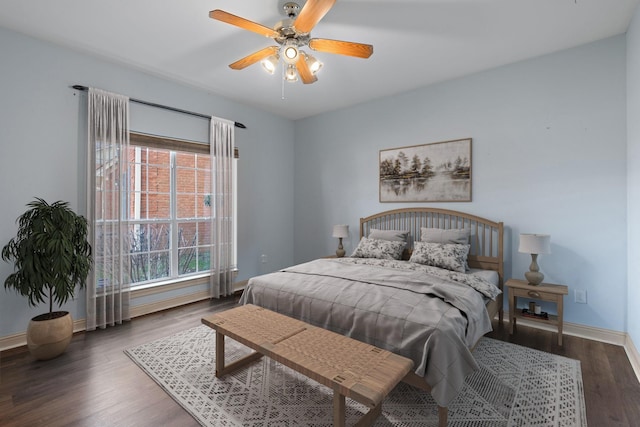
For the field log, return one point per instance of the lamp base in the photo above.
(340, 252)
(534, 277)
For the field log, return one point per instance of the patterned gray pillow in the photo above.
(377, 248)
(448, 256)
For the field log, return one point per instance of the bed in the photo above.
(424, 283)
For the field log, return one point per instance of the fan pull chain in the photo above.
(282, 80)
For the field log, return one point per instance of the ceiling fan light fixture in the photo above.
(290, 52)
(313, 63)
(292, 34)
(270, 64)
(290, 74)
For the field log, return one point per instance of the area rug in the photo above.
(516, 386)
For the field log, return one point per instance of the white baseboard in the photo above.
(239, 286)
(576, 330)
(20, 339)
(633, 355)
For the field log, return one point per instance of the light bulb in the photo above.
(291, 75)
(270, 64)
(289, 52)
(313, 63)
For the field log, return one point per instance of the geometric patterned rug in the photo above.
(516, 386)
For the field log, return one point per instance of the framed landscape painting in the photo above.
(438, 172)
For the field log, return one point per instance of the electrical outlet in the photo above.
(580, 296)
(263, 258)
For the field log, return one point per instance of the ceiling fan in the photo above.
(292, 34)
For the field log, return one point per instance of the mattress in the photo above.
(429, 315)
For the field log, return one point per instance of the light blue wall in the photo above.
(42, 138)
(549, 156)
(633, 176)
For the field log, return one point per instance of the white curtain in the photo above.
(108, 286)
(222, 217)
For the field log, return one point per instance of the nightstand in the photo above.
(543, 292)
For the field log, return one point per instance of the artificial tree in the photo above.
(51, 257)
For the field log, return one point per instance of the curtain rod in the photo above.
(153, 104)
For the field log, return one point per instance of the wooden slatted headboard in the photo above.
(486, 250)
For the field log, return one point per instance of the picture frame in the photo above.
(434, 172)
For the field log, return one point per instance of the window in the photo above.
(169, 203)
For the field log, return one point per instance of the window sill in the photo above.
(170, 285)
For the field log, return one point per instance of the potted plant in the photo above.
(51, 257)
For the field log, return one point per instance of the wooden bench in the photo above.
(351, 368)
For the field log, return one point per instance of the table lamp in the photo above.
(340, 231)
(534, 244)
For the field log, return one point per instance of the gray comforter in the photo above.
(430, 319)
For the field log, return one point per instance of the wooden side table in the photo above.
(543, 292)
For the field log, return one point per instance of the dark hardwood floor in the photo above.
(611, 388)
(95, 384)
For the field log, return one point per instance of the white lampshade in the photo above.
(290, 54)
(535, 244)
(313, 63)
(290, 74)
(270, 64)
(340, 231)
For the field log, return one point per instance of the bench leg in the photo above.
(443, 414)
(219, 354)
(221, 369)
(370, 417)
(338, 410)
(416, 381)
(339, 413)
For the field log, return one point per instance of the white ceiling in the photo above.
(416, 42)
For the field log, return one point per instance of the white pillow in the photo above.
(440, 235)
(378, 248)
(448, 256)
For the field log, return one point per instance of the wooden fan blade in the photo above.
(341, 47)
(245, 24)
(312, 12)
(305, 73)
(254, 57)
